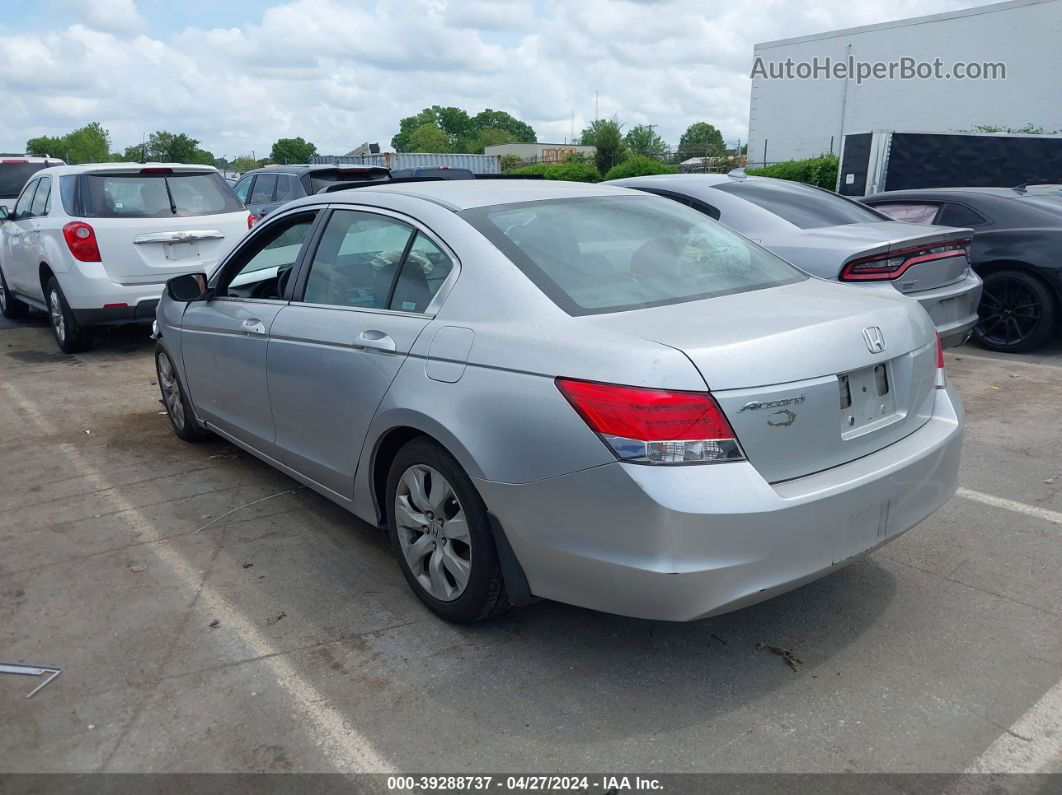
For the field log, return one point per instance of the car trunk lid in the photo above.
(781, 363)
(927, 257)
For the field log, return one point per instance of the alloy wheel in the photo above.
(55, 309)
(171, 391)
(1010, 313)
(433, 533)
(3, 297)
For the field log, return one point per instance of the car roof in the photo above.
(464, 194)
(88, 168)
(303, 168)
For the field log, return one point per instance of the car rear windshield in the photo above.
(324, 178)
(157, 195)
(596, 255)
(14, 176)
(800, 205)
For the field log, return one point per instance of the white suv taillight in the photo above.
(654, 426)
(252, 219)
(942, 380)
(81, 240)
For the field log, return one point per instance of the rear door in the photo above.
(334, 351)
(154, 223)
(224, 340)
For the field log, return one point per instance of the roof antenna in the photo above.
(737, 173)
(1022, 188)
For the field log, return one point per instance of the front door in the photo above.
(19, 244)
(225, 339)
(336, 348)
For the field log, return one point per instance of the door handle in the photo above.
(253, 326)
(377, 341)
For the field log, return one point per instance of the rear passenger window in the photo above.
(425, 269)
(356, 261)
(288, 188)
(263, 189)
(957, 215)
(40, 199)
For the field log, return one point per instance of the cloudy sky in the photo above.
(237, 74)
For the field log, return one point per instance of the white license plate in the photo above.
(176, 251)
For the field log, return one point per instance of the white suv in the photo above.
(15, 171)
(94, 244)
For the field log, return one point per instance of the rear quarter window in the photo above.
(610, 254)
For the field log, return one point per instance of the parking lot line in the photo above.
(1011, 505)
(1005, 361)
(1032, 745)
(346, 748)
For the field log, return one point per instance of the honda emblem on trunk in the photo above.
(875, 339)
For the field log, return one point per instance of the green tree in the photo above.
(52, 146)
(820, 171)
(428, 138)
(641, 140)
(292, 150)
(243, 163)
(569, 172)
(639, 166)
(167, 147)
(701, 139)
(606, 136)
(463, 133)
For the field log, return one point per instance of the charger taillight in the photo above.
(81, 240)
(893, 264)
(654, 426)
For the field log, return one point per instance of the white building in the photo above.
(799, 118)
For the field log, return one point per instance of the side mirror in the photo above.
(4, 214)
(187, 288)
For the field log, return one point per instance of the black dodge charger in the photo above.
(1017, 251)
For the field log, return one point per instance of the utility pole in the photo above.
(596, 116)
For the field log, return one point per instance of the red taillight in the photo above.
(942, 380)
(252, 219)
(654, 426)
(81, 240)
(6, 162)
(156, 170)
(893, 264)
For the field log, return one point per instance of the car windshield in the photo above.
(13, 176)
(157, 195)
(800, 205)
(610, 254)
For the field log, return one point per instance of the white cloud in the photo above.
(339, 73)
(113, 16)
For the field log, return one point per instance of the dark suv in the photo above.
(262, 190)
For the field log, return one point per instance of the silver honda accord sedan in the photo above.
(574, 392)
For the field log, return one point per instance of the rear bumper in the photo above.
(682, 543)
(953, 308)
(95, 300)
(142, 312)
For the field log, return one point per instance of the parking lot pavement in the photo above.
(208, 615)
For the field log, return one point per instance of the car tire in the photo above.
(1017, 312)
(70, 336)
(175, 399)
(441, 535)
(10, 307)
